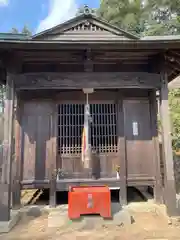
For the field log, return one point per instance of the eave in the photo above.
(169, 49)
(113, 44)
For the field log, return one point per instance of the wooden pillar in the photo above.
(53, 169)
(5, 185)
(16, 188)
(169, 184)
(122, 154)
(158, 192)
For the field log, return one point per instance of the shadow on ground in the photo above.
(133, 195)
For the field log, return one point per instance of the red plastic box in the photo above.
(89, 200)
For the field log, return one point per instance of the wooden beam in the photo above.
(73, 59)
(126, 53)
(53, 150)
(172, 75)
(5, 185)
(174, 54)
(145, 45)
(170, 191)
(13, 63)
(122, 154)
(172, 64)
(16, 191)
(158, 194)
(79, 80)
(60, 59)
(64, 53)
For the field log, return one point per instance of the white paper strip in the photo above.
(135, 128)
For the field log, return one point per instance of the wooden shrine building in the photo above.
(44, 111)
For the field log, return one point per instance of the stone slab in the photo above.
(5, 227)
(59, 218)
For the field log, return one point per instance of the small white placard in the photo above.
(135, 128)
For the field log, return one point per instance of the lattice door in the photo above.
(103, 130)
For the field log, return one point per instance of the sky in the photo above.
(38, 15)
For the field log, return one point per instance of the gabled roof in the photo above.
(82, 27)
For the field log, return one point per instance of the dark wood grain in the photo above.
(6, 180)
(81, 80)
(63, 184)
(37, 140)
(138, 147)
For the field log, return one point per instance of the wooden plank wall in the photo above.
(37, 139)
(139, 148)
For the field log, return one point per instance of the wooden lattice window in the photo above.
(103, 129)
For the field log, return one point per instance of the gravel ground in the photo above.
(149, 223)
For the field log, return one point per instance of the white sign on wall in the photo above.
(135, 128)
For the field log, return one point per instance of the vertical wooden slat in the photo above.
(156, 154)
(112, 126)
(108, 126)
(66, 128)
(59, 136)
(103, 130)
(75, 128)
(96, 127)
(170, 191)
(5, 185)
(122, 153)
(78, 126)
(103, 133)
(100, 133)
(63, 129)
(92, 128)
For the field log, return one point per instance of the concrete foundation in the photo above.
(5, 227)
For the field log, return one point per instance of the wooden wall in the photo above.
(139, 146)
(37, 120)
(37, 138)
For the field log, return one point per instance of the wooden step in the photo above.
(30, 196)
(36, 196)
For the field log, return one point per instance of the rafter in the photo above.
(172, 65)
(177, 54)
